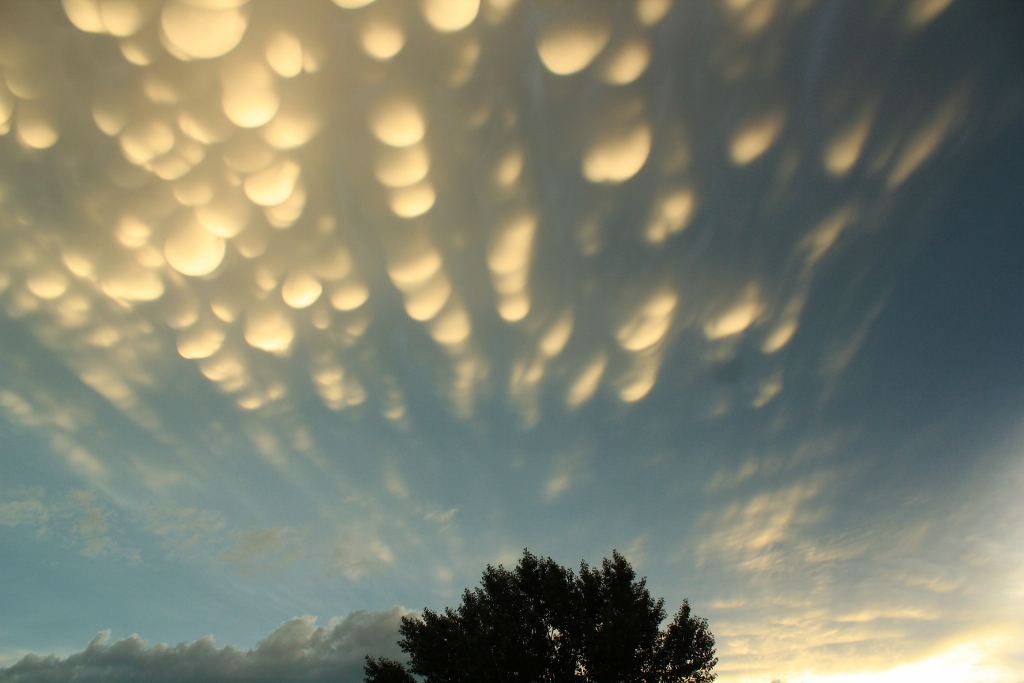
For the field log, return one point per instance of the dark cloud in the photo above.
(298, 650)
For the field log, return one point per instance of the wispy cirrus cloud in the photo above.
(264, 549)
(78, 517)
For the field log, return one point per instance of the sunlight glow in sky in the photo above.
(311, 309)
(964, 663)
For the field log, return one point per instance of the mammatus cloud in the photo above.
(266, 266)
(266, 206)
(298, 650)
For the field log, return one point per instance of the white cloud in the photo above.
(885, 599)
(357, 553)
(556, 486)
(751, 533)
(566, 471)
(298, 650)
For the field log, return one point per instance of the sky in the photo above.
(311, 310)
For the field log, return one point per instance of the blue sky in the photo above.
(318, 309)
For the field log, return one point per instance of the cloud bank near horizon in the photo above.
(297, 650)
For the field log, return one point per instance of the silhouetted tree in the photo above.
(687, 651)
(384, 670)
(540, 623)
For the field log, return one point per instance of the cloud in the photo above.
(356, 553)
(566, 472)
(395, 485)
(263, 549)
(203, 193)
(815, 596)
(298, 650)
(28, 511)
(441, 517)
(556, 486)
(752, 533)
(91, 524)
(77, 516)
(185, 527)
(178, 247)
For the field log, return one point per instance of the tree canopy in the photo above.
(541, 623)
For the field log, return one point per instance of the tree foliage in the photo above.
(541, 623)
(384, 670)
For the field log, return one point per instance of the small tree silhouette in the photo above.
(385, 670)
